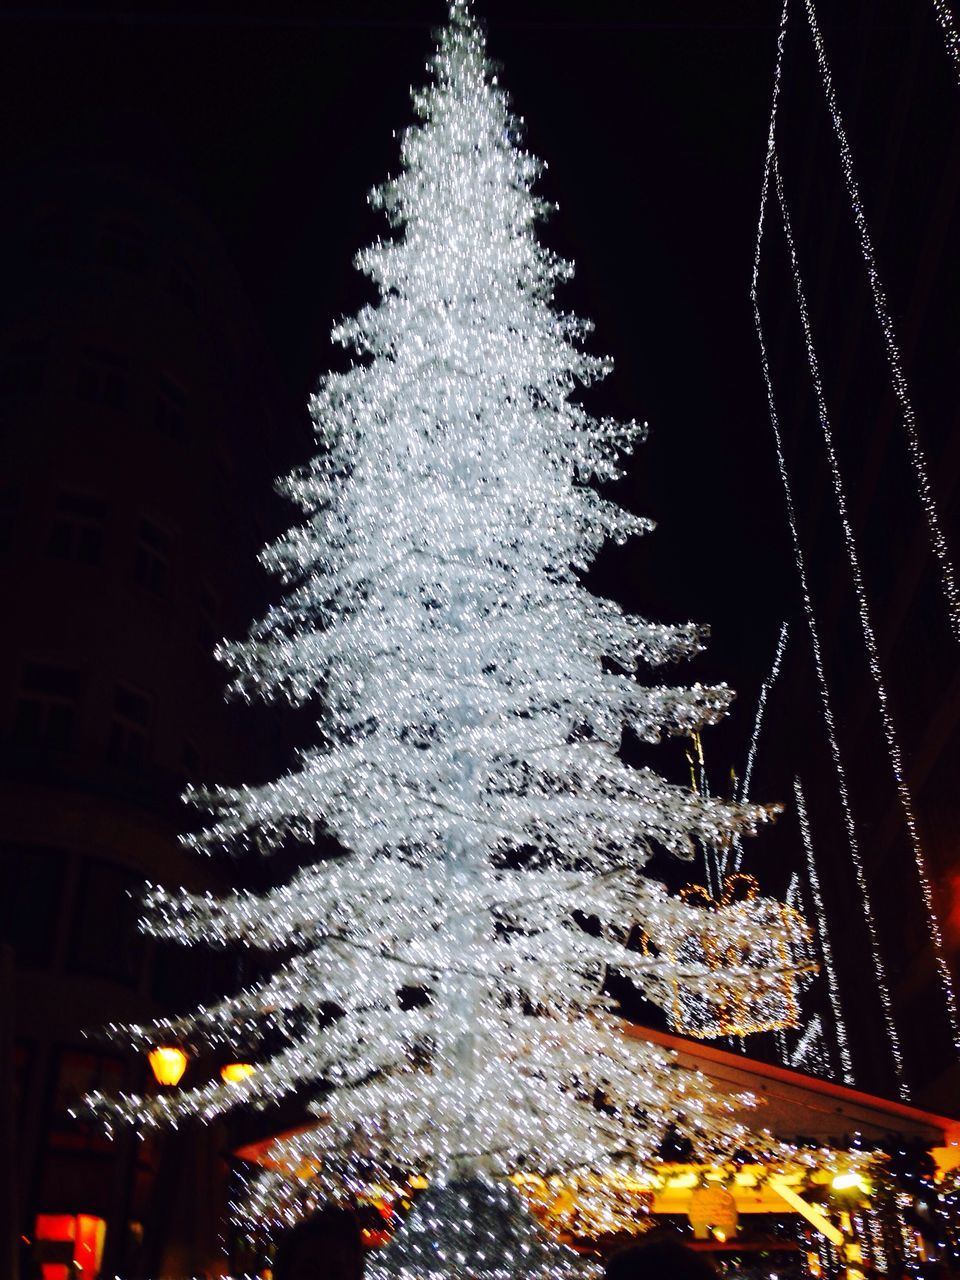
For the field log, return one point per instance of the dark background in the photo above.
(276, 120)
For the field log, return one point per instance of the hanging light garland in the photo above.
(823, 933)
(882, 310)
(873, 655)
(950, 34)
(883, 987)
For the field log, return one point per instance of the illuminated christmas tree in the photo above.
(442, 978)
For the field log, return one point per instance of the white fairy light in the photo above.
(869, 637)
(474, 699)
(882, 309)
(757, 725)
(878, 1246)
(951, 35)
(810, 1045)
(856, 858)
(830, 724)
(823, 934)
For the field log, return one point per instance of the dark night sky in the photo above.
(652, 117)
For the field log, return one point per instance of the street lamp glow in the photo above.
(235, 1072)
(168, 1063)
(848, 1181)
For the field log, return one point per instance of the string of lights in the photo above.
(810, 1045)
(856, 858)
(869, 637)
(755, 735)
(882, 310)
(830, 723)
(951, 35)
(823, 933)
(877, 1243)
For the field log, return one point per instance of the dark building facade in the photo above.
(137, 406)
(855, 289)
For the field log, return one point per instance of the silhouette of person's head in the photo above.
(658, 1257)
(327, 1246)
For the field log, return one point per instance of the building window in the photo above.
(151, 566)
(31, 893)
(124, 247)
(130, 727)
(183, 286)
(77, 530)
(102, 378)
(106, 941)
(52, 238)
(24, 368)
(170, 413)
(46, 707)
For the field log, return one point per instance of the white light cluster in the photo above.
(474, 1227)
(869, 637)
(436, 986)
(950, 34)
(856, 858)
(823, 933)
(882, 308)
(878, 1248)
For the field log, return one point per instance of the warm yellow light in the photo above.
(719, 1235)
(683, 1180)
(847, 1182)
(168, 1063)
(418, 1182)
(234, 1072)
(745, 1178)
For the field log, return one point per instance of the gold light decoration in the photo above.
(168, 1062)
(737, 968)
(586, 1205)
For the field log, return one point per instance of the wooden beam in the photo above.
(809, 1211)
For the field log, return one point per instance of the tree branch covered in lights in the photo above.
(468, 758)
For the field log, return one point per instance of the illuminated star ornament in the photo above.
(438, 984)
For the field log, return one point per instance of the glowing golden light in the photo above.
(235, 1072)
(849, 1181)
(168, 1063)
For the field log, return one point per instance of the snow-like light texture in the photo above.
(472, 1227)
(467, 762)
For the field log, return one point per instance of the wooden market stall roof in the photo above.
(797, 1105)
(792, 1104)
